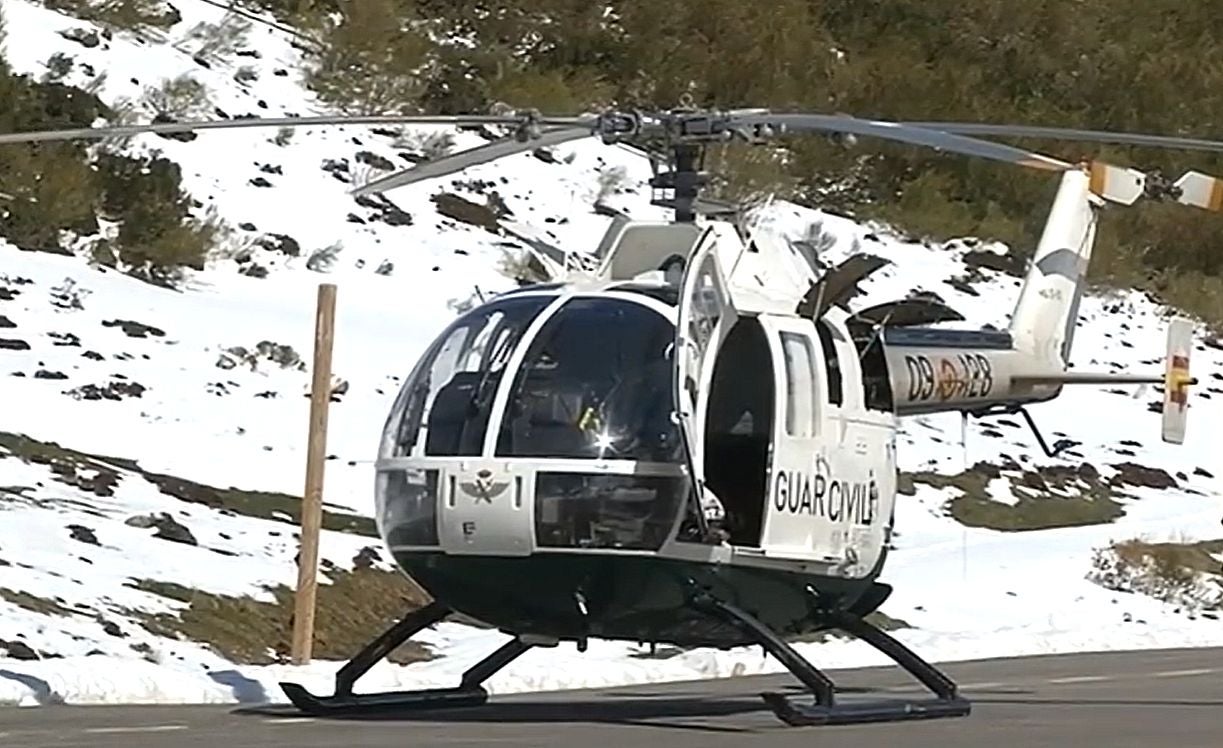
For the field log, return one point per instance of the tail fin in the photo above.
(1048, 308)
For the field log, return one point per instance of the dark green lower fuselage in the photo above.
(634, 598)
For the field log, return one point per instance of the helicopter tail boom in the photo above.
(933, 370)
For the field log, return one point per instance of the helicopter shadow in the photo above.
(683, 710)
(1013, 700)
(641, 710)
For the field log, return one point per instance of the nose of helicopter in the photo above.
(514, 436)
(515, 508)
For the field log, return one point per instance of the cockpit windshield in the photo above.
(449, 398)
(595, 384)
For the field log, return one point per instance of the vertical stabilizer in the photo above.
(1048, 306)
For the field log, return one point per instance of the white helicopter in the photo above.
(684, 437)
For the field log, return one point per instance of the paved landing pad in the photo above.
(1119, 700)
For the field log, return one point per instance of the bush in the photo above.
(56, 189)
(51, 183)
(129, 15)
(157, 235)
(1183, 574)
(900, 59)
(372, 59)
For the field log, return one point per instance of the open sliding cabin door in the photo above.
(706, 315)
(797, 522)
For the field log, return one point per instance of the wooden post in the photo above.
(312, 498)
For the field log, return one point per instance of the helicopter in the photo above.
(684, 435)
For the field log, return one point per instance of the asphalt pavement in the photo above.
(1119, 700)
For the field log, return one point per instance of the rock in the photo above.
(1140, 475)
(19, 650)
(282, 243)
(374, 160)
(169, 529)
(83, 534)
(85, 37)
(366, 558)
(134, 329)
(112, 629)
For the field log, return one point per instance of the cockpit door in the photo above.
(705, 316)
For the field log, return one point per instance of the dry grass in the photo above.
(1046, 498)
(353, 609)
(100, 475)
(1175, 562)
(36, 604)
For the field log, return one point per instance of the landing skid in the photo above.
(469, 692)
(344, 702)
(826, 711)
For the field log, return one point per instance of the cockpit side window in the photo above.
(595, 384)
(448, 401)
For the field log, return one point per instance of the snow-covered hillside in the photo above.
(140, 447)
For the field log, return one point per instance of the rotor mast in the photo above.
(685, 179)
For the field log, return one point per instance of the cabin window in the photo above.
(407, 507)
(595, 385)
(800, 384)
(443, 408)
(876, 384)
(832, 364)
(627, 512)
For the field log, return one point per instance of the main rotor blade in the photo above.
(1063, 133)
(98, 133)
(905, 134)
(915, 310)
(838, 284)
(464, 159)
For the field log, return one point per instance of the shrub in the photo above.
(1183, 574)
(51, 183)
(372, 59)
(157, 236)
(128, 15)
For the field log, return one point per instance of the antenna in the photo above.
(964, 437)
